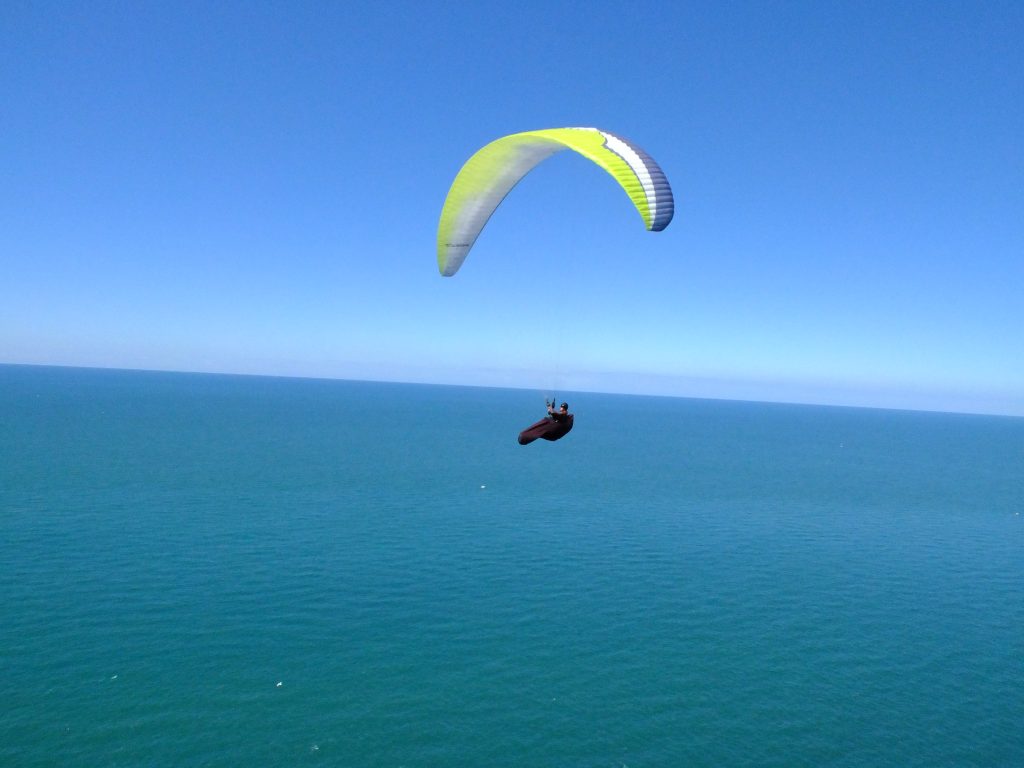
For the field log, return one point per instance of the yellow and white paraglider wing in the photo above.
(489, 175)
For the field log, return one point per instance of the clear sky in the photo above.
(255, 188)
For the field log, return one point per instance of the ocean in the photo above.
(206, 570)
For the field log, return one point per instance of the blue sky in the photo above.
(255, 188)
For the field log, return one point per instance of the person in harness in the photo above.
(554, 426)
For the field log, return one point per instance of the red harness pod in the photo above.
(546, 429)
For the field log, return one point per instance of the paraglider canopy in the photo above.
(489, 175)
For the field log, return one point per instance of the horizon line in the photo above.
(522, 387)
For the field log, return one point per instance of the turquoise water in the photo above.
(216, 570)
